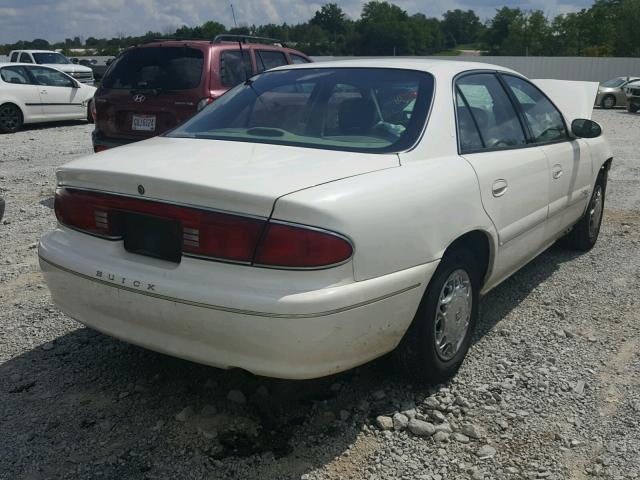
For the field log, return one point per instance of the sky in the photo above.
(55, 20)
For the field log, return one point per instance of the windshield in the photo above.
(613, 83)
(49, 57)
(351, 109)
(161, 68)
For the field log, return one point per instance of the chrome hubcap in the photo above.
(453, 314)
(595, 212)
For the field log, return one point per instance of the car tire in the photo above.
(632, 108)
(11, 118)
(89, 114)
(584, 234)
(1, 207)
(422, 353)
(608, 101)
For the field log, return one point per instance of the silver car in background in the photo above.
(612, 93)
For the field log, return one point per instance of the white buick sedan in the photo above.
(318, 216)
(34, 93)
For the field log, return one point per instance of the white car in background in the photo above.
(318, 216)
(33, 94)
(48, 58)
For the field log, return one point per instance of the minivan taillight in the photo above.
(203, 103)
(207, 234)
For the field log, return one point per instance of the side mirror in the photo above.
(75, 85)
(583, 128)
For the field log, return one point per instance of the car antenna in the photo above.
(244, 66)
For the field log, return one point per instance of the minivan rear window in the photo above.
(161, 68)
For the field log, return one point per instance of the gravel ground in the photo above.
(550, 389)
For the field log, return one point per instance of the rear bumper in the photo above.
(271, 323)
(100, 142)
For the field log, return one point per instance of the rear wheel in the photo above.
(584, 234)
(609, 101)
(89, 114)
(437, 341)
(10, 118)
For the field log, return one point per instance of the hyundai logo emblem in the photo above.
(140, 189)
(139, 98)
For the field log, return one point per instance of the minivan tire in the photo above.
(419, 353)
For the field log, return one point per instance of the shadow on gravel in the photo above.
(89, 406)
(28, 127)
(47, 202)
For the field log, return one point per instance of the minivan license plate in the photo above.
(145, 123)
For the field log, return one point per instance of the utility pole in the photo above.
(235, 24)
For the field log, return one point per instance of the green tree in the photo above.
(462, 26)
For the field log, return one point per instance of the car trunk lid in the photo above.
(237, 177)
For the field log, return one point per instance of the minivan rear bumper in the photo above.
(100, 142)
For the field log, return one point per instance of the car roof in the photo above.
(436, 67)
(204, 43)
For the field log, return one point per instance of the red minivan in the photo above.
(151, 88)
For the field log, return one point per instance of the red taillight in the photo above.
(84, 212)
(301, 247)
(205, 233)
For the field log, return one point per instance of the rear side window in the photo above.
(235, 67)
(296, 59)
(16, 75)
(25, 58)
(156, 68)
(14, 57)
(468, 135)
(492, 110)
(266, 59)
(545, 121)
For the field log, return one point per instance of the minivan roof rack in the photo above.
(227, 37)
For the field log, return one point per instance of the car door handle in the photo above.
(499, 187)
(43, 92)
(556, 171)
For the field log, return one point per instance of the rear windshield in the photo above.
(50, 57)
(162, 68)
(352, 109)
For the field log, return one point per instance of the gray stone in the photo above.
(460, 438)
(441, 436)
(185, 414)
(384, 423)
(400, 421)
(236, 396)
(420, 428)
(486, 451)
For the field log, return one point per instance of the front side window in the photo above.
(235, 67)
(266, 59)
(351, 109)
(50, 77)
(43, 58)
(16, 75)
(545, 121)
(156, 68)
(492, 110)
(25, 58)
